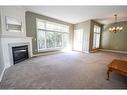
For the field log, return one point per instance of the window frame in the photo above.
(46, 31)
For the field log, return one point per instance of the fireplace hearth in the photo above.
(20, 53)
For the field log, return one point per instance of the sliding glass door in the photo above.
(78, 39)
(96, 37)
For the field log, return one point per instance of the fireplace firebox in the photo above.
(20, 53)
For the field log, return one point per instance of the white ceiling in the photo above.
(76, 14)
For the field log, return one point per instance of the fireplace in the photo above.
(20, 53)
(10, 42)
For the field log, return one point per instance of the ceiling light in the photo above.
(115, 28)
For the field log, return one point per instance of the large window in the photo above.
(96, 37)
(51, 35)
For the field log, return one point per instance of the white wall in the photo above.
(7, 37)
(14, 12)
(1, 56)
(0, 21)
(1, 61)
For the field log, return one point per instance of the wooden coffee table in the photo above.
(119, 66)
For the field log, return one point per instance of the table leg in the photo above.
(108, 73)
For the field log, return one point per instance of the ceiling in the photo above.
(76, 14)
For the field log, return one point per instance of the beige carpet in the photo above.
(72, 70)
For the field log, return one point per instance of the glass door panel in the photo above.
(96, 37)
(78, 39)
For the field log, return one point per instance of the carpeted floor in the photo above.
(72, 70)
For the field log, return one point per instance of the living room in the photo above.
(54, 47)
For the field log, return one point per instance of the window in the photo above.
(50, 40)
(41, 39)
(51, 35)
(96, 37)
(58, 39)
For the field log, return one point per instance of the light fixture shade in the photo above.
(121, 28)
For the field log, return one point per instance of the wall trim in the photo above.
(81, 51)
(108, 50)
(85, 51)
(2, 74)
(46, 53)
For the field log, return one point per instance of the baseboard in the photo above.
(112, 51)
(1, 76)
(94, 51)
(86, 52)
(46, 53)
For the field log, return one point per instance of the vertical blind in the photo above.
(96, 38)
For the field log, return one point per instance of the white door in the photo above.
(78, 39)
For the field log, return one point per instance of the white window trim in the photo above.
(48, 49)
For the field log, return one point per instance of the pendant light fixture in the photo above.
(115, 28)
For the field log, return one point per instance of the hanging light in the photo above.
(115, 28)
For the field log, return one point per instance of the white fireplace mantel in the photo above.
(8, 42)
